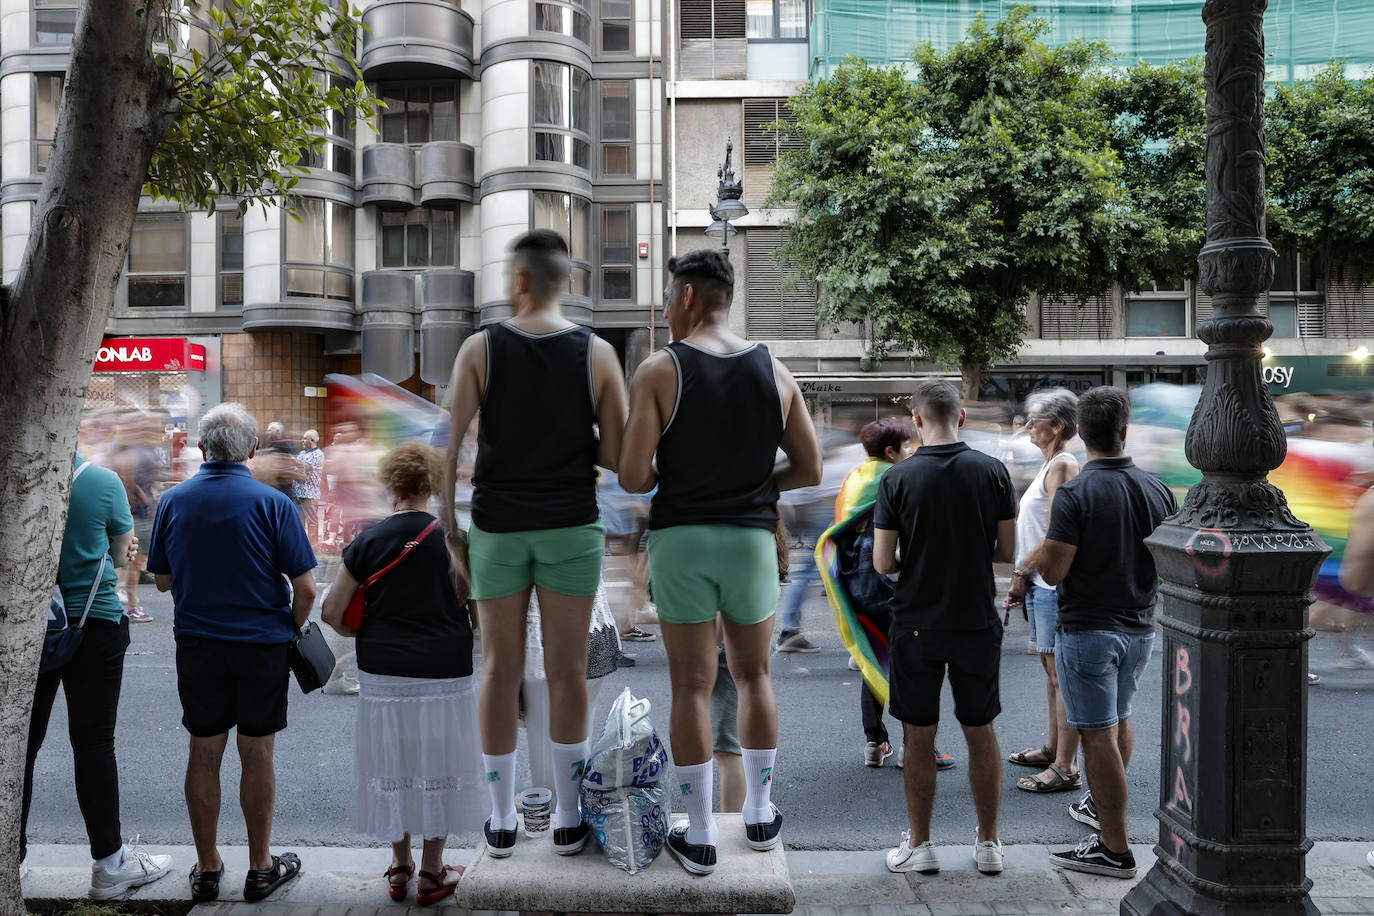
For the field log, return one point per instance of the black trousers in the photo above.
(90, 682)
(869, 706)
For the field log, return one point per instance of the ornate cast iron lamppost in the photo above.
(728, 205)
(1236, 564)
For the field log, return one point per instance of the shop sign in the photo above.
(149, 354)
(1282, 376)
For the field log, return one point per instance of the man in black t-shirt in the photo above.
(950, 512)
(1095, 553)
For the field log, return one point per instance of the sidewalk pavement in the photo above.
(335, 880)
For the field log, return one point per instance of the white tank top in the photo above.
(1033, 516)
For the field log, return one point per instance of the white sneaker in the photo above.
(921, 859)
(987, 855)
(1358, 658)
(1370, 858)
(341, 687)
(23, 869)
(137, 869)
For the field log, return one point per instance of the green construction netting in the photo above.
(1301, 36)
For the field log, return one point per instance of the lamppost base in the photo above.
(1165, 892)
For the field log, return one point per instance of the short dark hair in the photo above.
(542, 257)
(1103, 413)
(709, 272)
(878, 436)
(672, 264)
(937, 401)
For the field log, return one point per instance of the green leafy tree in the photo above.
(932, 204)
(190, 103)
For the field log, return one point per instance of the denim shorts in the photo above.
(1042, 609)
(1099, 671)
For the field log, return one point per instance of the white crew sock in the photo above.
(696, 783)
(500, 770)
(758, 784)
(112, 862)
(569, 760)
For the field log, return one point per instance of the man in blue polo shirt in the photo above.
(225, 546)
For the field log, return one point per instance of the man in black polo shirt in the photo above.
(951, 511)
(1095, 553)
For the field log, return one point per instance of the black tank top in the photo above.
(536, 452)
(716, 455)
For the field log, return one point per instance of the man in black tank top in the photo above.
(534, 517)
(714, 409)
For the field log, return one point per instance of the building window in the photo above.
(570, 217)
(418, 114)
(1156, 317)
(47, 104)
(319, 250)
(230, 260)
(617, 253)
(418, 238)
(337, 153)
(617, 26)
(762, 146)
(617, 128)
(1297, 300)
(562, 114)
(780, 20)
(564, 19)
(775, 309)
(54, 22)
(157, 261)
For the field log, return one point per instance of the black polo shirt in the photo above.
(1107, 511)
(944, 502)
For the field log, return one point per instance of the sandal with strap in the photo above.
(405, 872)
(442, 886)
(1059, 782)
(261, 882)
(205, 884)
(1023, 758)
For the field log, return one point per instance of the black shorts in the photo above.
(225, 684)
(919, 660)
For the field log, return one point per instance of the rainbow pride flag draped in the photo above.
(1322, 480)
(388, 414)
(853, 512)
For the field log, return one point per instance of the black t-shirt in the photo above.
(1107, 511)
(414, 625)
(944, 502)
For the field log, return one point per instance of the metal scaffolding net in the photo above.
(1301, 36)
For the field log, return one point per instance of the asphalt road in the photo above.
(830, 799)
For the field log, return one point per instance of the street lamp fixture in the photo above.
(728, 205)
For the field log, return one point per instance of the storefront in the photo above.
(176, 377)
(1319, 374)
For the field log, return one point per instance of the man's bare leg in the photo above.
(258, 796)
(1107, 776)
(918, 779)
(203, 798)
(984, 777)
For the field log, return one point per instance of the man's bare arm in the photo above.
(1054, 560)
(885, 551)
(119, 548)
(654, 383)
(799, 442)
(302, 597)
(608, 380)
(1005, 552)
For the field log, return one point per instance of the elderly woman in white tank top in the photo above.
(1051, 421)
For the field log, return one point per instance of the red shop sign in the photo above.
(149, 354)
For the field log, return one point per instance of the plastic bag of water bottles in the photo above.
(624, 797)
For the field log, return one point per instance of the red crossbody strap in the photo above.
(410, 545)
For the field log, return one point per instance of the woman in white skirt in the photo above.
(417, 752)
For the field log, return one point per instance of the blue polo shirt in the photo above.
(229, 543)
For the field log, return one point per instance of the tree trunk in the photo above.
(117, 105)
(972, 375)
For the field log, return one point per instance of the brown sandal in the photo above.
(1059, 782)
(1023, 758)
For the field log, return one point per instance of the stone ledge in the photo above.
(534, 879)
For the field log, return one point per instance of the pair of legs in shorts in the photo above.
(697, 572)
(920, 660)
(1059, 755)
(564, 565)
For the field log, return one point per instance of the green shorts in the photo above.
(697, 570)
(563, 560)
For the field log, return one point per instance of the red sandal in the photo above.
(441, 887)
(398, 891)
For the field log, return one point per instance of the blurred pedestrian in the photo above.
(812, 510)
(708, 415)
(416, 763)
(951, 513)
(1051, 421)
(226, 547)
(98, 540)
(534, 517)
(1357, 566)
(306, 492)
(136, 460)
(1094, 552)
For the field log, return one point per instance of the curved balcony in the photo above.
(416, 39)
(446, 319)
(298, 315)
(388, 177)
(446, 174)
(388, 328)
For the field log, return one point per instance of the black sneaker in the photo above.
(500, 843)
(1096, 859)
(794, 641)
(568, 841)
(699, 859)
(764, 837)
(1085, 812)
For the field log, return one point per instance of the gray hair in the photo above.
(312, 435)
(1058, 405)
(228, 432)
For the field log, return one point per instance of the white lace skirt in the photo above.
(418, 758)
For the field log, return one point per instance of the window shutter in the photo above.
(772, 312)
(1311, 319)
(711, 38)
(1348, 309)
(762, 146)
(1065, 319)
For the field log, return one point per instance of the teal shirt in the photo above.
(98, 513)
